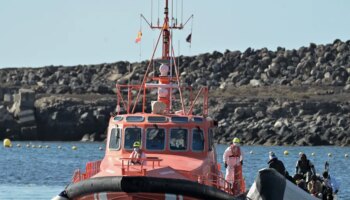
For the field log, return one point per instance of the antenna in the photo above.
(167, 28)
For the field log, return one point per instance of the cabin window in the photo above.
(118, 118)
(197, 139)
(155, 138)
(197, 119)
(178, 139)
(157, 119)
(115, 138)
(132, 135)
(135, 118)
(179, 119)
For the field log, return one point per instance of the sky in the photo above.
(69, 32)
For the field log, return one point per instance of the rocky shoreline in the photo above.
(282, 97)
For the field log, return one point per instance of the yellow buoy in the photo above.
(286, 153)
(7, 143)
(100, 148)
(346, 155)
(313, 154)
(74, 148)
(329, 155)
(18, 145)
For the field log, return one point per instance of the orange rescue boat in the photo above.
(178, 158)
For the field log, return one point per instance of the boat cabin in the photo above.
(161, 134)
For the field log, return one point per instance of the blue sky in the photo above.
(68, 32)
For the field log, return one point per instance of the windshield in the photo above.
(178, 139)
(132, 135)
(197, 140)
(155, 139)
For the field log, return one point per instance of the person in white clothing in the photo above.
(137, 156)
(233, 161)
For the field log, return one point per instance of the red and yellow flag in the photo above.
(139, 36)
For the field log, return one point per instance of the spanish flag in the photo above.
(139, 36)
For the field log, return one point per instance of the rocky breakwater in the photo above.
(284, 122)
(73, 118)
(264, 96)
(315, 65)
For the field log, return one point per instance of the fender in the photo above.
(141, 184)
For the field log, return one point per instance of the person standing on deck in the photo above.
(233, 161)
(137, 155)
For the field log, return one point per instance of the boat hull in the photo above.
(269, 184)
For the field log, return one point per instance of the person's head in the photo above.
(236, 141)
(303, 157)
(272, 155)
(136, 145)
(325, 174)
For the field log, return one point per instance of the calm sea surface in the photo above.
(41, 173)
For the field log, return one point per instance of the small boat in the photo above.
(157, 116)
(270, 184)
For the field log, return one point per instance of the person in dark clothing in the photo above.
(330, 186)
(304, 166)
(276, 164)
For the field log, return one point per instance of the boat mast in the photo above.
(165, 78)
(166, 33)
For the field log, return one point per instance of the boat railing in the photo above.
(91, 169)
(218, 181)
(213, 179)
(125, 101)
(140, 170)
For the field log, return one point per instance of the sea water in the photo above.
(41, 173)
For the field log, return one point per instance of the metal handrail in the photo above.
(142, 170)
(126, 103)
(91, 169)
